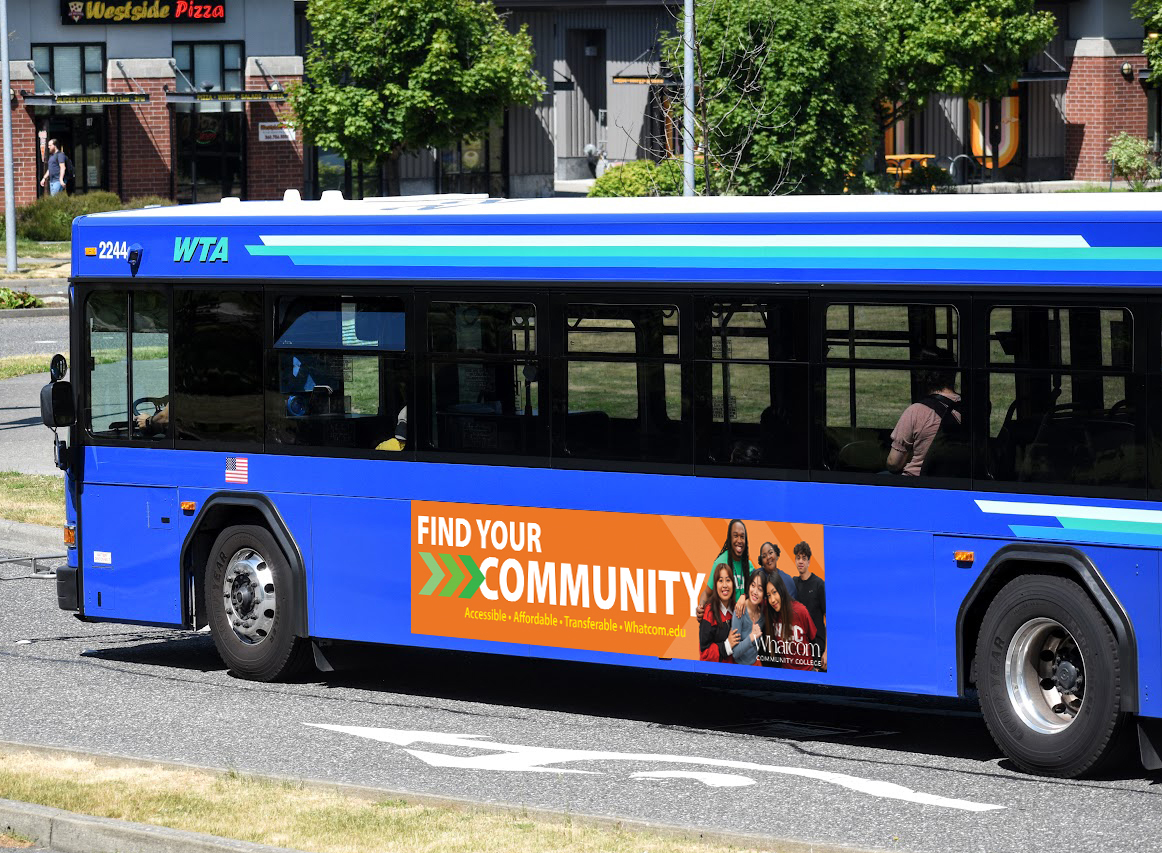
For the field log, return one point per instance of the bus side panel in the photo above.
(1131, 573)
(130, 553)
(360, 578)
(361, 582)
(879, 610)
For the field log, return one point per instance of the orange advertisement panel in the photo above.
(663, 586)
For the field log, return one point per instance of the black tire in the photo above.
(1036, 626)
(253, 631)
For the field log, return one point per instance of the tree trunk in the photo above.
(393, 173)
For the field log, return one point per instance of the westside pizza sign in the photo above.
(142, 12)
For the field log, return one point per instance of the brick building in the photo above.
(156, 97)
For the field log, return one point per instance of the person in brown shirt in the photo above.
(921, 421)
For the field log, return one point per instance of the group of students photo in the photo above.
(762, 616)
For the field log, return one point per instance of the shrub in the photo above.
(10, 298)
(1133, 160)
(640, 178)
(50, 218)
(924, 179)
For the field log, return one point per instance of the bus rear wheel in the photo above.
(1049, 677)
(250, 595)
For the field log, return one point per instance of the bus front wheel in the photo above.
(250, 594)
(1049, 677)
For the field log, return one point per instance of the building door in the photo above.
(580, 102)
(208, 161)
(81, 135)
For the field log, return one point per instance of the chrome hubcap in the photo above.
(248, 593)
(1045, 676)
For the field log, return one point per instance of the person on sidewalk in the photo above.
(58, 169)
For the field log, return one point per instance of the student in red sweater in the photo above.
(716, 636)
(788, 632)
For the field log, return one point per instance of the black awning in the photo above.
(224, 97)
(92, 99)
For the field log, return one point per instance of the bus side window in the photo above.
(751, 384)
(880, 360)
(337, 375)
(625, 392)
(484, 377)
(217, 354)
(1066, 407)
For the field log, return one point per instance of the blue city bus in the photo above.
(896, 444)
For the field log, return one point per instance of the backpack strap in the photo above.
(946, 409)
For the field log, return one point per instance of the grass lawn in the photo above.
(21, 365)
(32, 498)
(291, 814)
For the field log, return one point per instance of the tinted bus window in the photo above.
(625, 393)
(217, 353)
(886, 364)
(751, 384)
(1065, 407)
(337, 377)
(485, 378)
(107, 333)
(150, 368)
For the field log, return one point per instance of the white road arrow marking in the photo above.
(711, 780)
(507, 757)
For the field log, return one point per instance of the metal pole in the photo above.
(687, 102)
(9, 190)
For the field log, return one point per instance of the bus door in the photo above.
(128, 533)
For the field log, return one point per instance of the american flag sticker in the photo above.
(237, 467)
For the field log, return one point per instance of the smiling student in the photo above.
(716, 636)
(735, 555)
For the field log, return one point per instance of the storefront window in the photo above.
(72, 69)
(208, 136)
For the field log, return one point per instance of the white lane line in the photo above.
(507, 757)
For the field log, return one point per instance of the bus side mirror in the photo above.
(56, 405)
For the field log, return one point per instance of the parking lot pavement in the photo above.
(25, 443)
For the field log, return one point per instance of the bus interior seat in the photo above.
(587, 433)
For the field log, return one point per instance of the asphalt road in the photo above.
(34, 334)
(25, 444)
(694, 752)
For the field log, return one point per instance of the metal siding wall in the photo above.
(943, 126)
(418, 164)
(1045, 128)
(631, 38)
(530, 129)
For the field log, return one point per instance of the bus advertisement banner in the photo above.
(620, 582)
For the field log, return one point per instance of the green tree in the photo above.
(975, 48)
(794, 93)
(387, 76)
(786, 92)
(1150, 11)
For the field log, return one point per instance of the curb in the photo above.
(133, 833)
(74, 833)
(15, 313)
(34, 539)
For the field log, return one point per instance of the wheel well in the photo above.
(214, 519)
(228, 510)
(1013, 561)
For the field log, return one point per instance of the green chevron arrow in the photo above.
(437, 573)
(475, 576)
(456, 575)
